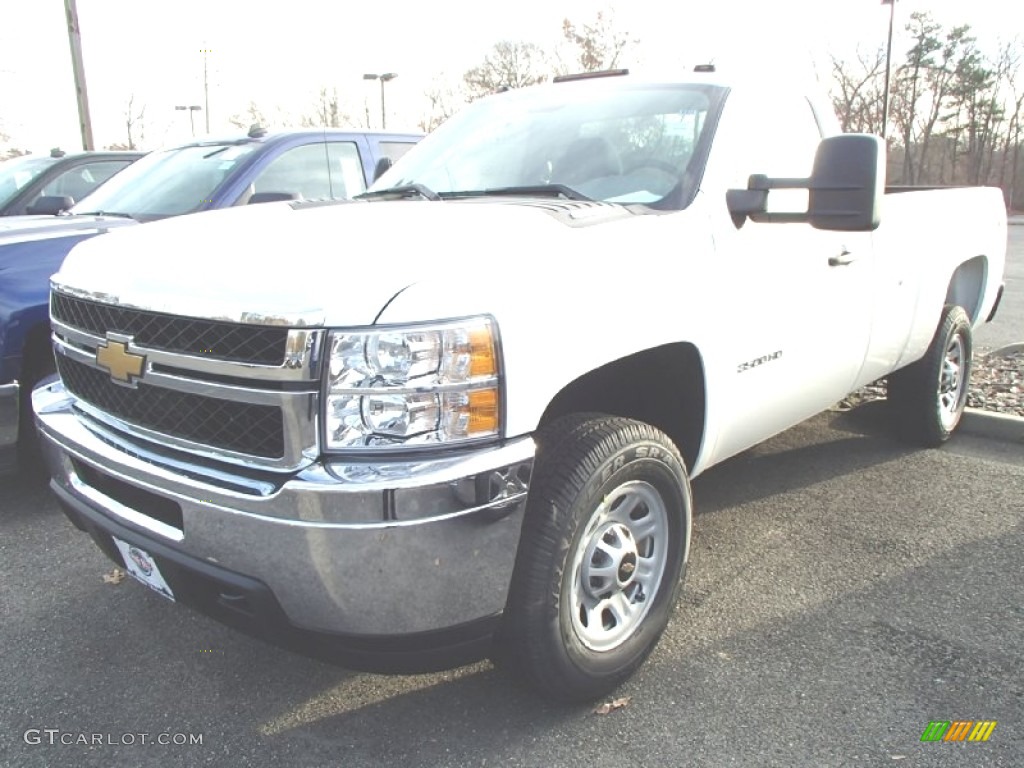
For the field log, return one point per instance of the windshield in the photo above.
(16, 173)
(620, 143)
(166, 182)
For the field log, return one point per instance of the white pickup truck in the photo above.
(459, 417)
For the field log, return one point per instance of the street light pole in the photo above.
(192, 109)
(383, 79)
(888, 69)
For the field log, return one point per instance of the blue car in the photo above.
(202, 175)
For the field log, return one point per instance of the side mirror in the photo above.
(382, 167)
(848, 183)
(845, 188)
(271, 197)
(49, 205)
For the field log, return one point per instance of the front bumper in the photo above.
(9, 410)
(396, 566)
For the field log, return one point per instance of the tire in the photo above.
(601, 558)
(928, 397)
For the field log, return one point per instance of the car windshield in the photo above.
(616, 142)
(166, 182)
(16, 173)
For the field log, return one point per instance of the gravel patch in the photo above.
(997, 384)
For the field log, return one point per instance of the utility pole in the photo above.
(75, 38)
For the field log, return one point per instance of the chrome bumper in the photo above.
(356, 549)
(9, 410)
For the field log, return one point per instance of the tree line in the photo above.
(954, 110)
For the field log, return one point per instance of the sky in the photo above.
(279, 55)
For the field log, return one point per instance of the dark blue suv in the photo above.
(202, 175)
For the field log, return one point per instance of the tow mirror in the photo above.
(844, 191)
(847, 183)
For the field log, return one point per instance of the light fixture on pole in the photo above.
(192, 109)
(383, 79)
(888, 68)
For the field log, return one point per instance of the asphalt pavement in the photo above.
(844, 591)
(1008, 326)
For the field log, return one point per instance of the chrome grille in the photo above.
(212, 339)
(247, 428)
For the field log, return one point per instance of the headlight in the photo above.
(409, 386)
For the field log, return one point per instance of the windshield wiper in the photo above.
(112, 214)
(534, 190)
(400, 193)
(215, 152)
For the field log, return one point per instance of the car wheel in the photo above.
(601, 557)
(929, 396)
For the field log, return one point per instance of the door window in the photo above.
(323, 171)
(79, 181)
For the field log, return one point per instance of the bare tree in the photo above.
(594, 46)
(328, 112)
(957, 54)
(508, 65)
(975, 114)
(1009, 169)
(252, 115)
(133, 121)
(858, 91)
(444, 102)
(959, 113)
(910, 85)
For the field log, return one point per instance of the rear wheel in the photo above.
(929, 396)
(601, 557)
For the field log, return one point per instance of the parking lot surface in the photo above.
(844, 591)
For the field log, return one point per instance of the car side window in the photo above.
(323, 171)
(79, 181)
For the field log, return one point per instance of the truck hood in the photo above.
(14, 229)
(333, 264)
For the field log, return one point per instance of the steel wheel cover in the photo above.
(952, 382)
(618, 565)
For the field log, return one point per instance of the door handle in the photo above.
(844, 258)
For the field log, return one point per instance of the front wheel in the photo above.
(602, 555)
(928, 397)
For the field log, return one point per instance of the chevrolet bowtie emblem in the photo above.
(123, 366)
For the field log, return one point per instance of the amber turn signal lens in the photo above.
(483, 412)
(483, 361)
